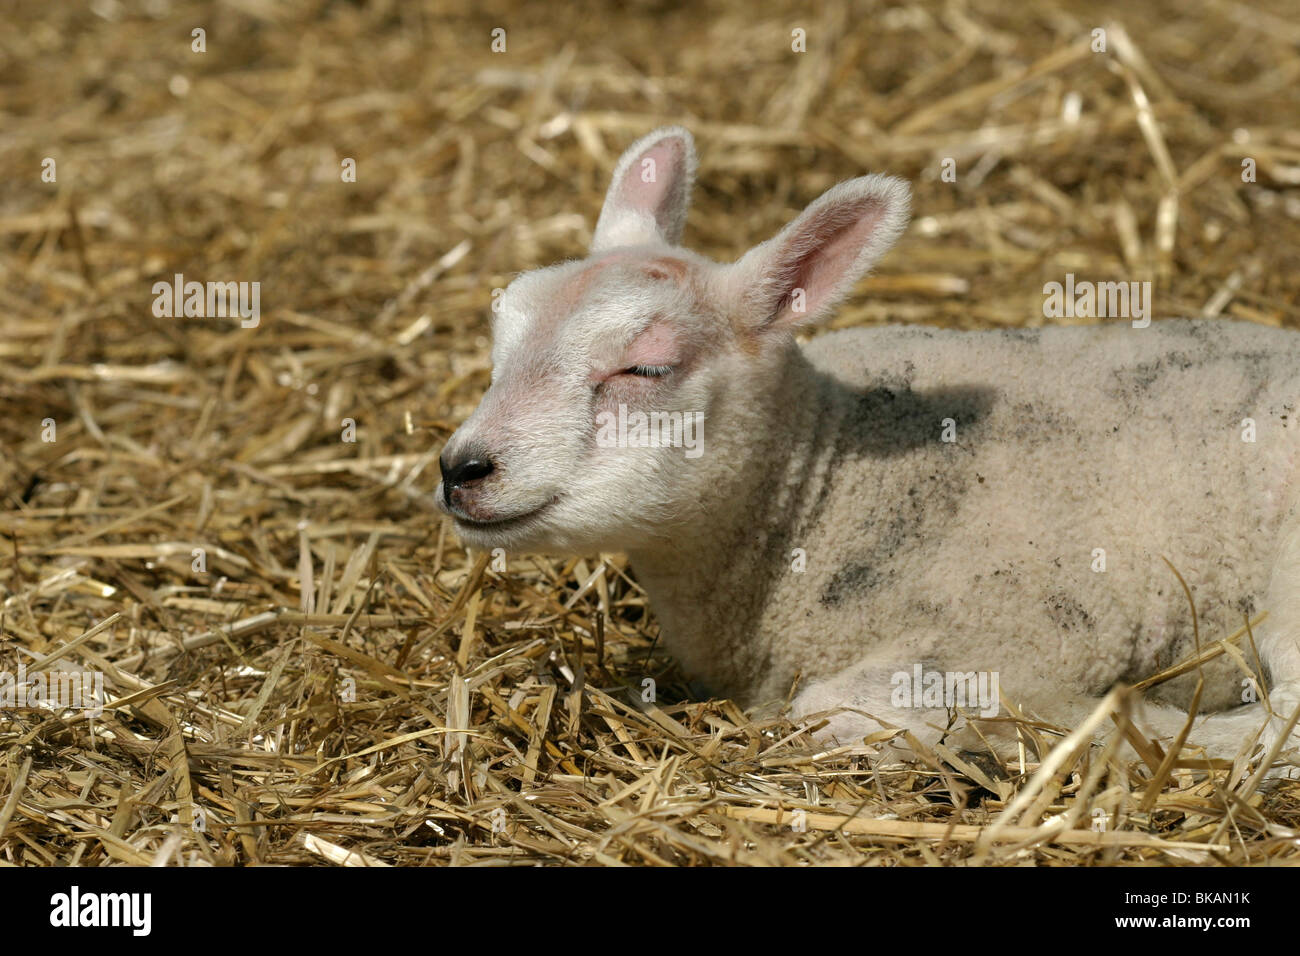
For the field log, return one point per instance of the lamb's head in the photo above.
(625, 386)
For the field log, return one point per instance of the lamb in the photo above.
(888, 516)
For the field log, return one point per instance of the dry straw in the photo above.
(302, 664)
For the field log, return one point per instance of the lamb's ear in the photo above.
(650, 192)
(799, 275)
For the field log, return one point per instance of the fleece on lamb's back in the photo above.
(1033, 543)
(892, 499)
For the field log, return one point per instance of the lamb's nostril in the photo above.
(465, 472)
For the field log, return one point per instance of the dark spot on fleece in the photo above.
(1246, 605)
(1132, 383)
(1197, 331)
(1136, 380)
(1146, 657)
(898, 529)
(892, 421)
(899, 381)
(859, 576)
(1067, 613)
(927, 609)
(1258, 363)
(1250, 359)
(1040, 423)
(1031, 336)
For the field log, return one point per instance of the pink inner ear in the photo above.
(658, 196)
(660, 344)
(821, 256)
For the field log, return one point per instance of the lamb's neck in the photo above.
(711, 578)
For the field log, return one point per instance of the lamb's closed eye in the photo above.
(635, 376)
(648, 371)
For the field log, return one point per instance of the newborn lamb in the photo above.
(890, 515)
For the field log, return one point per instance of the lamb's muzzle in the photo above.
(461, 475)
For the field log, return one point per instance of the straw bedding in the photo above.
(302, 665)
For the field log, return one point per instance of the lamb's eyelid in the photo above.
(642, 330)
(663, 354)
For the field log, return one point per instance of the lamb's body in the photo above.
(827, 531)
(981, 554)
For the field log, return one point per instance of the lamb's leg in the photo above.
(1224, 734)
(860, 700)
(1278, 637)
(867, 689)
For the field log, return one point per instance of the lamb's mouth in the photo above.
(504, 524)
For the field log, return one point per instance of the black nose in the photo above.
(462, 473)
